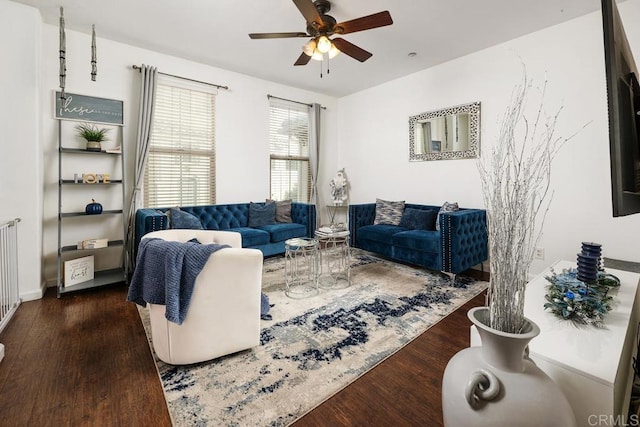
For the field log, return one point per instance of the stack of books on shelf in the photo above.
(114, 150)
(332, 231)
(93, 243)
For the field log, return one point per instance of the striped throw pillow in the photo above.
(388, 212)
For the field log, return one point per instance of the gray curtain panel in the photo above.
(314, 149)
(149, 79)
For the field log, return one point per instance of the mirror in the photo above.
(450, 133)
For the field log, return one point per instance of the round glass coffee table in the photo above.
(301, 267)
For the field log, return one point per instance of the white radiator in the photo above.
(9, 296)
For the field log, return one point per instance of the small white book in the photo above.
(93, 243)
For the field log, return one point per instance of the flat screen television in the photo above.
(623, 94)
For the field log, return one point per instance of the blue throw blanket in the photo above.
(166, 273)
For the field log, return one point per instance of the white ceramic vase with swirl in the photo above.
(497, 384)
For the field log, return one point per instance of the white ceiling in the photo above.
(215, 32)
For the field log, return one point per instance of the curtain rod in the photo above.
(136, 67)
(296, 102)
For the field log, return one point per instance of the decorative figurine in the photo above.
(339, 186)
(93, 208)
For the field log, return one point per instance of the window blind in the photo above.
(181, 165)
(289, 151)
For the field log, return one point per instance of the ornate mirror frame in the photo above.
(473, 109)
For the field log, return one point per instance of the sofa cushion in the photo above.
(382, 233)
(418, 240)
(430, 260)
(418, 219)
(388, 212)
(262, 214)
(376, 247)
(283, 231)
(252, 236)
(182, 219)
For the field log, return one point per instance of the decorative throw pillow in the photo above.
(283, 210)
(447, 207)
(182, 219)
(262, 214)
(388, 212)
(418, 219)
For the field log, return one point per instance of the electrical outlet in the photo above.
(539, 253)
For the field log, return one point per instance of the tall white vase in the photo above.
(498, 385)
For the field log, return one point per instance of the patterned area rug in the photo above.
(313, 347)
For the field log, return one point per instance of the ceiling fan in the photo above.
(321, 27)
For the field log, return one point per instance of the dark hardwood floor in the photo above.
(84, 360)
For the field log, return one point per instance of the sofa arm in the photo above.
(359, 216)
(305, 214)
(464, 240)
(148, 220)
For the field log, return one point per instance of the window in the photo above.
(181, 164)
(289, 151)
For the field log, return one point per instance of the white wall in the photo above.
(21, 160)
(373, 130)
(242, 152)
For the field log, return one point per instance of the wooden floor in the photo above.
(84, 360)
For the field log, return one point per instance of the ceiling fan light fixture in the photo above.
(333, 51)
(310, 47)
(321, 26)
(324, 44)
(319, 56)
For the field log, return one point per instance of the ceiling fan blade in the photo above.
(276, 35)
(376, 20)
(351, 49)
(303, 59)
(309, 11)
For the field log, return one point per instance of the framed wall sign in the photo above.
(89, 108)
(78, 270)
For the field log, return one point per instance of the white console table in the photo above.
(592, 366)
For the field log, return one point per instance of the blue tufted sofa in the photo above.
(460, 243)
(235, 217)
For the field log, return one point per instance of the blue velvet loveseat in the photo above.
(268, 238)
(460, 243)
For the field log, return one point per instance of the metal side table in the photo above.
(301, 267)
(335, 260)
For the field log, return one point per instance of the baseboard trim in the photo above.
(34, 295)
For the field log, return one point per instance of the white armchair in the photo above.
(224, 314)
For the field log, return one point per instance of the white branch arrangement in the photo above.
(515, 182)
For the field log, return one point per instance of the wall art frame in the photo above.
(88, 109)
